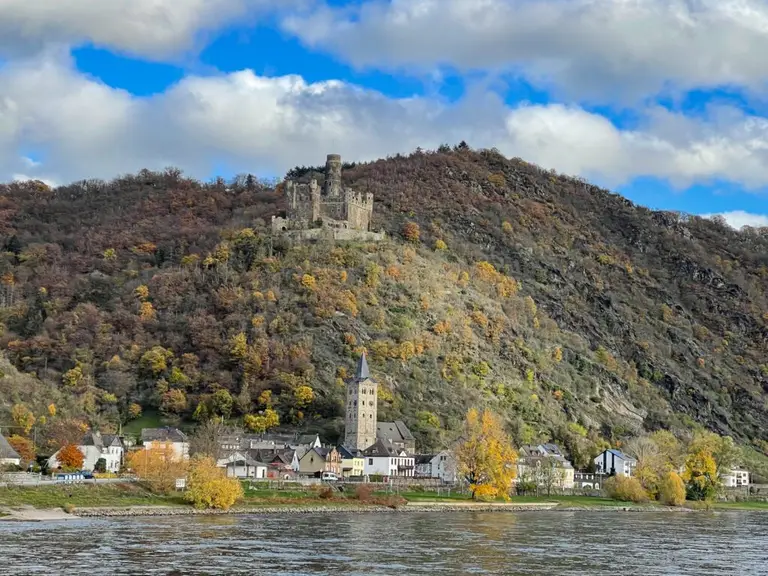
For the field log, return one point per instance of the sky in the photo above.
(663, 101)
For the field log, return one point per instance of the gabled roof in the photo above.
(166, 434)
(307, 439)
(348, 453)
(379, 448)
(620, 454)
(395, 431)
(7, 451)
(111, 440)
(362, 372)
(424, 458)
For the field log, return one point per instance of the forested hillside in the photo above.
(575, 314)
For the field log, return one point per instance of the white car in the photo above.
(329, 477)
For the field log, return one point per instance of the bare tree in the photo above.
(207, 439)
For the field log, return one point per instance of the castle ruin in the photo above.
(327, 211)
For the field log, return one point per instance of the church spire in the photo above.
(362, 368)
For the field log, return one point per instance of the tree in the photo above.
(70, 458)
(700, 476)
(24, 447)
(174, 401)
(672, 489)
(206, 440)
(722, 449)
(158, 467)
(262, 422)
(209, 487)
(485, 456)
(222, 402)
(549, 474)
(649, 462)
(23, 417)
(626, 489)
(101, 466)
(411, 232)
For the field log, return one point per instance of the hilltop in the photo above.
(577, 315)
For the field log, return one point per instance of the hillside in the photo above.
(574, 313)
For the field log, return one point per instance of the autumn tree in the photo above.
(23, 417)
(174, 401)
(158, 466)
(206, 439)
(722, 449)
(24, 447)
(672, 489)
(70, 458)
(209, 487)
(700, 476)
(260, 423)
(485, 456)
(411, 232)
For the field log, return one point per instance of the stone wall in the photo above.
(327, 233)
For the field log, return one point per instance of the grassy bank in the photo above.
(131, 494)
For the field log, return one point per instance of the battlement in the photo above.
(333, 206)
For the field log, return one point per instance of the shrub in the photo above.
(411, 232)
(626, 489)
(363, 492)
(672, 490)
(69, 508)
(326, 493)
(209, 487)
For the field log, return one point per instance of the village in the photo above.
(371, 452)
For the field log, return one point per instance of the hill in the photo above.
(579, 316)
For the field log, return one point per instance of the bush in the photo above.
(626, 489)
(672, 490)
(326, 493)
(69, 508)
(363, 492)
(209, 487)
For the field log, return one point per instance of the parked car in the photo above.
(329, 477)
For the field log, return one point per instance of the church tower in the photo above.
(362, 404)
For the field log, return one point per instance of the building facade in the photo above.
(383, 460)
(615, 463)
(175, 438)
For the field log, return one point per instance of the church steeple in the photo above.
(362, 372)
(362, 407)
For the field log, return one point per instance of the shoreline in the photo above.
(29, 514)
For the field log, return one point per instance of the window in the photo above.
(370, 403)
(370, 461)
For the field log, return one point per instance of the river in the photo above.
(374, 544)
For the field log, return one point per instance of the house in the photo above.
(441, 466)
(735, 478)
(546, 466)
(156, 437)
(318, 460)
(396, 434)
(614, 462)
(587, 480)
(271, 441)
(387, 460)
(352, 462)
(95, 447)
(240, 465)
(279, 462)
(8, 456)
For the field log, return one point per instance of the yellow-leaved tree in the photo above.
(485, 456)
(672, 489)
(700, 476)
(209, 487)
(158, 467)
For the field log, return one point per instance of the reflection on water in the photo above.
(567, 543)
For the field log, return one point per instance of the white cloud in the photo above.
(586, 48)
(146, 27)
(266, 125)
(739, 218)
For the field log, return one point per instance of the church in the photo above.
(387, 447)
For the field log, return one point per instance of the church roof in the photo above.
(362, 372)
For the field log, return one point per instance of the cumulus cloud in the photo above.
(586, 48)
(739, 218)
(265, 125)
(154, 28)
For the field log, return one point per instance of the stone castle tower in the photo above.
(311, 207)
(361, 414)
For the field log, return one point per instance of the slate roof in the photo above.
(6, 450)
(379, 448)
(362, 372)
(424, 458)
(395, 431)
(348, 453)
(166, 434)
(620, 454)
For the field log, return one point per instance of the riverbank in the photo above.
(48, 503)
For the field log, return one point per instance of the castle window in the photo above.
(370, 403)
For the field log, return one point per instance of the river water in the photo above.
(373, 544)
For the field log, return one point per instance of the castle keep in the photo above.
(331, 210)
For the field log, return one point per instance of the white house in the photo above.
(545, 465)
(95, 447)
(735, 478)
(8, 456)
(156, 437)
(441, 466)
(386, 460)
(614, 462)
(240, 465)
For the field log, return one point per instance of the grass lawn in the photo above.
(147, 420)
(85, 496)
(740, 506)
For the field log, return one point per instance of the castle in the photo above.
(331, 211)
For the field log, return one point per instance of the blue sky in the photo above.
(663, 101)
